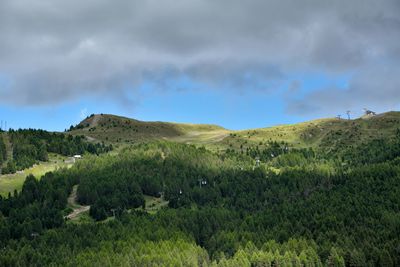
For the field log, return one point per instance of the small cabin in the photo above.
(73, 159)
(369, 112)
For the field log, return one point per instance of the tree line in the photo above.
(30, 146)
(222, 210)
(3, 151)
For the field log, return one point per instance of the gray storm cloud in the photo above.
(53, 50)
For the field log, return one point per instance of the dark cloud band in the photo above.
(53, 50)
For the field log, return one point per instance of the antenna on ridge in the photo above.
(348, 114)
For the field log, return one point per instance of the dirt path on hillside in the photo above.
(77, 209)
(95, 121)
(201, 137)
(220, 137)
(91, 139)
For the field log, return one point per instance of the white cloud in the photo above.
(55, 50)
(83, 113)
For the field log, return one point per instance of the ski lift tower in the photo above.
(202, 182)
(348, 114)
(258, 161)
(113, 211)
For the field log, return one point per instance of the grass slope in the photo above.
(121, 130)
(154, 204)
(327, 134)
(11, 182)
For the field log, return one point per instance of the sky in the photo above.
(238, 64)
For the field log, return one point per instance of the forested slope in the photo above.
(300, 207)
(29, 146)
(3, 151)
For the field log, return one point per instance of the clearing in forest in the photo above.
(11, 182)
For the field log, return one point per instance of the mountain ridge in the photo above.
(324, 132)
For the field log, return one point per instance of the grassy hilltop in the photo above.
(327, 134)
(116, 129)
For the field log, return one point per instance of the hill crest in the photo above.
(328, 132)
(113, 128)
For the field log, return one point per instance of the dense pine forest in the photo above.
(3, 151)
(30, 146)
(299, 207)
